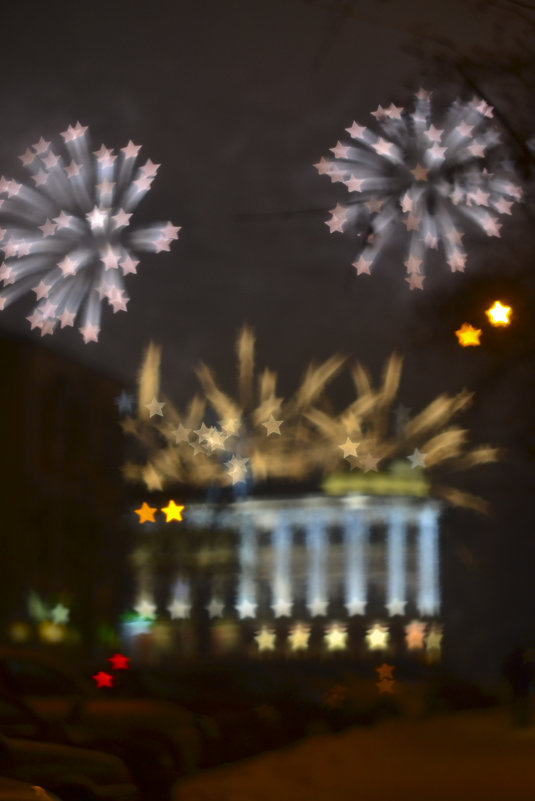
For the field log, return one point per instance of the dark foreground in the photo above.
(466, 755)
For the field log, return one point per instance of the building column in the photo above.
(428, 572)
(179, 602)
(396, 563)
(247, 552)
(355, 541)
(316, 538)
(282, 567)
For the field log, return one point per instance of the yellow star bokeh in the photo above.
(298, 637)
(336, 637)
(433, 640)
(349, 448)
(377, 637)
(265, 639)
(499, 314)
(468, 335)
(172, 512)
(146, 513)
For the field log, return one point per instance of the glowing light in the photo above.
(103, 679)
(172, 512)
(146, 609)
(134, 626)
(396, 563)
(316, 541)
(355, 607)
(313, 441)
(237, 469)
(36, 608)
(377, 637)
(468, 335)
(336, 637)
(265, 639)
(282, 608)
(146, 513)
(385, 671)
(298, 637)
(369, 462)
(60, 614)
(433, 641)
(386, 679)
(125, 403)
(355, 540)
(396, 607)
(335, 696)
(155, 407)
(417, 459)
(385, 685)
(410, 172)
(20, 631)
(246, 605)
(349, 448)
(180, 605)
(414, 635)
(247, 446)
(281, 582)
(119, 662)
(215, 608)
(498, 314)
(246, 608)
(428, 584)
(51, 632)
(69, 237)
(272, 426)
(179, 609)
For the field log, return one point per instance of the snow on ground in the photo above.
(469, 755)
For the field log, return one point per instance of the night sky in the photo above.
(237, 101)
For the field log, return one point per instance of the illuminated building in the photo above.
(364, 550)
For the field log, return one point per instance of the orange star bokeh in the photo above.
(386, 685)
(414, 635)
(468, 335)
(146, 513)
(385, 671)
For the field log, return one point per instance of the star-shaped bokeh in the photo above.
(265, 639)
(173, 511)
(146, 513)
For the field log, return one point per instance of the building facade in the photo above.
(338, 569)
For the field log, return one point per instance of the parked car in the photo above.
(238, 720)
(146, 763)
(74, 774)
(146, 732)
(13, 790)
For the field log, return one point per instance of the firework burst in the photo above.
(430, 440)
(408, 176)
(69, 238)
(256, 436)
(260, 437)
